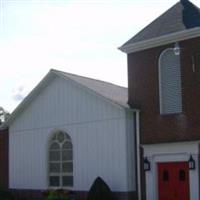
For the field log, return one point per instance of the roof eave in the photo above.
(3, 126)
(162, 40)
(27, 99)
(134, 110)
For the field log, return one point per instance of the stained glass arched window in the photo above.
(60, 160)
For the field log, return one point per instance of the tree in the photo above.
(4, 115)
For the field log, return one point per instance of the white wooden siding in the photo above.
(97, 128)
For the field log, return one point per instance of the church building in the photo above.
(144, 141)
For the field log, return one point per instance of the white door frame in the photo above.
(171, 152)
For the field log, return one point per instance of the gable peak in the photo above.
(183, 17)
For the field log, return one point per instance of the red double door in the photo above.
(173, 181)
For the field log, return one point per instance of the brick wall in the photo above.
(144, 94)
(4, 158)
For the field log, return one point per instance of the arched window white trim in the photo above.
(60, 161)
(170, 93)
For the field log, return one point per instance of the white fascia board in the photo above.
(159, 41)
(29, 98)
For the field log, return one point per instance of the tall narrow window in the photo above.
(60, 160)
(170, 82)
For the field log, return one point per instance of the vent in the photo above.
(170, 83)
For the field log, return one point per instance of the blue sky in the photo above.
(77, 36)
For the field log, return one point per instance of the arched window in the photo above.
(170, 82)
(60, 160)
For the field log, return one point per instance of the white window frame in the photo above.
(60, 174)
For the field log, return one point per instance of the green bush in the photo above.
(57, 195)
(6, 195)
(99, 191)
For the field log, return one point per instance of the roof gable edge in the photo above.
(162, 40)
(27, 100)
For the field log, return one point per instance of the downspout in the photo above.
(137, 115)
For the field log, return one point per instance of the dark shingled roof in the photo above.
(115, 93)
(182, 16)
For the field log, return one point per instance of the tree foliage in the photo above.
(4, 115)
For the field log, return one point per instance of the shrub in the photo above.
(57, 195)
(99, 191)
(5, 195)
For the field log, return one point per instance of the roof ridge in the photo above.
(59, 71)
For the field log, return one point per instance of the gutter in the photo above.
(137, 151)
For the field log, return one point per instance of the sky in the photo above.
(76, 36)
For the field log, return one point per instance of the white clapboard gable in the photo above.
(101, 130)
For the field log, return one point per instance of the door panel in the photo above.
(165, 182)
(182, 180)
(173, 181)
